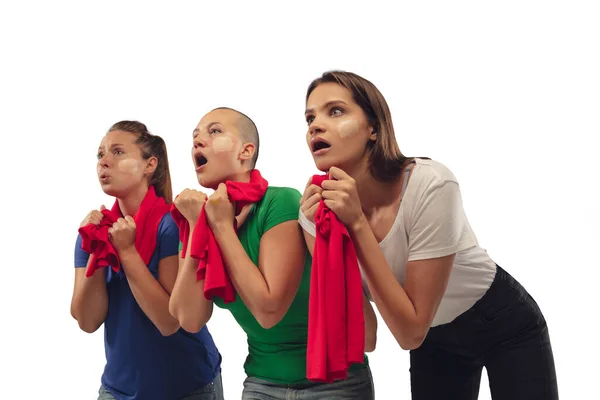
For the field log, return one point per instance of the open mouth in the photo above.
(200, 160)
(319, 144)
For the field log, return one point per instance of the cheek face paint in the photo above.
(129, 166)
(348, 128)
(222, 144)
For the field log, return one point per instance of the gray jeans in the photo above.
(358, 386)
(212, 391)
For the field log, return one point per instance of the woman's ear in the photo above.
(247, 151)
(373, 135)
(151, 164)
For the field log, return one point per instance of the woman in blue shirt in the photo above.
(148, 356)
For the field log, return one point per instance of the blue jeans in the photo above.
(212, 391)
(358, 386)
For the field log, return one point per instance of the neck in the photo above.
(243, 176)
(373, 193)
(130, 203)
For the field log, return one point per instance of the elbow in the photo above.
(370, 344)
(411, 338)
(412, 342)
(190, 321)
(88, 325)
(89, 328)
(268, 318)
(192, 325)
(409, 344)
(370, 347)
(169, 328)
(269, 312)
(370, 337)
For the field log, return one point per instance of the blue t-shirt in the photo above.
(141, 363)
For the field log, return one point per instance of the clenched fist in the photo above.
(122, 234)
(309, 203)
(219, 209)
(189, 203)
(94, 217)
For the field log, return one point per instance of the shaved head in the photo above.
(247, 131)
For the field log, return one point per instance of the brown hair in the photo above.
(151, 146)
(385, 159)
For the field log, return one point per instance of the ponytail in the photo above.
(161, 179)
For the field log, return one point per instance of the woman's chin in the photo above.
(323, 165)
(208, 183)
(109, 190)
(115, 193)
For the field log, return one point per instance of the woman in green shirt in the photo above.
(267, 262)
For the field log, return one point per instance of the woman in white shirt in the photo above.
(440, 294)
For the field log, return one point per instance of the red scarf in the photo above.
(336, 325)
(147, 219)
(204, 247)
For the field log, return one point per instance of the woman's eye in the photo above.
(336, 111)
(309, 120)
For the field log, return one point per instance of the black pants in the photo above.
(506, 333)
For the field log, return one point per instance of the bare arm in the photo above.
(310, 242)
(152, 295)
(89, 304)
(408, 312)
(267, 291)
(370, 325)
(188, 304)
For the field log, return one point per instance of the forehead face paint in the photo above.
(222, 144)
(348, 128)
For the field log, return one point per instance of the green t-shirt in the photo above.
(277, 354)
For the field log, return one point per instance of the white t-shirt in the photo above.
(431, 223)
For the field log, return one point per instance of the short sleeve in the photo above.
(81, 256)
(439, 225)
(168, 237)
(283, 206)
(306, 224)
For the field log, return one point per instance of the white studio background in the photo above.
(507, 94)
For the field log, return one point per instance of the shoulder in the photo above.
(280, 204)
(433, 171)
(167, 226)
(283, 198)
(81, 256)
(282, 193)
(167, 237)
(428, 175)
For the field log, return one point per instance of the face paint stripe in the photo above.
(222, 144)
(129, 166)
(348, 128)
